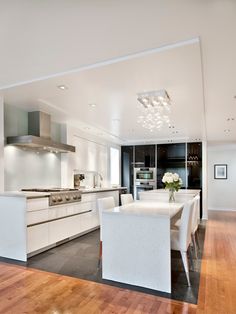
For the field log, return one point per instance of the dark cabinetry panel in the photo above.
(145, 156)
(127, 167)
(184, 159)
(194, 165)
(171, 158)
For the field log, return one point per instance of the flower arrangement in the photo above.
(173, 183)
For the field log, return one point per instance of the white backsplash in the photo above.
(27, 169)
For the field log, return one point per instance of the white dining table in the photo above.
(136, 244)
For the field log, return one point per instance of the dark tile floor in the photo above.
(79, 258)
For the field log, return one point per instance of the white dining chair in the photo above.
(126, 199)
(181, 238)
(195, 224)
(103, 203)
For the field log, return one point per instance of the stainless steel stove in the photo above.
(59, 196)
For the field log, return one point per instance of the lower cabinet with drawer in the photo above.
(49, 226)
(37, 237)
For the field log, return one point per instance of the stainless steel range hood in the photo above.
(39, 138)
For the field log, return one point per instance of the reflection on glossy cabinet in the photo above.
(194, 165)
(127, 167)
(171, 158)
(145, 156)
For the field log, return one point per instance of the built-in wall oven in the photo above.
(144, 180)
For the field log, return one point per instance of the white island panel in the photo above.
(13, 227)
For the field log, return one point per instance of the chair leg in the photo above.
(186, 268)
(194, 245)
(100, 254)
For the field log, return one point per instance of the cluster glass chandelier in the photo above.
(155, 107)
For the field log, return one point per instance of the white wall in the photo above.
(92, 154)
(204, 180)
(1, 144)
(222, 193)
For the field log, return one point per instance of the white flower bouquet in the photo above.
(172, 181)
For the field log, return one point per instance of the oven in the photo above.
(144, 180)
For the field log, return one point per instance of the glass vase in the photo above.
(171, 195)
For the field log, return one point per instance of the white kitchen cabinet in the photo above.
(57, 212)
(36, 216)
(69, 219)
(58, 230)
(37, 237)
(37, 203)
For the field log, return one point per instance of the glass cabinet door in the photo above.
(171, 158)
(194, 165)
(145, 156)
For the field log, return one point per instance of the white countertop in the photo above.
(147, 208)
(24, 194)
(46, 194)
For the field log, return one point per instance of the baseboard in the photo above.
(223, 209)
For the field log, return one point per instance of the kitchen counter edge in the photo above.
(33, 195)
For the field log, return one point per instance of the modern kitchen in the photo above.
(56, 174)
(116, 181)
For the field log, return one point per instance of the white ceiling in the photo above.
(41, 39)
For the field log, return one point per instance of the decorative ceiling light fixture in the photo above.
(155, 107)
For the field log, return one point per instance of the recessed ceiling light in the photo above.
(175, 132)
(92, 105)
(62, 87)
(171, 127)
(230, 119)
(227, 130)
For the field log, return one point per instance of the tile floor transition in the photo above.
(79, 258)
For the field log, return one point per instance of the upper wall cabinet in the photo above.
(145, 156)
(171, 158)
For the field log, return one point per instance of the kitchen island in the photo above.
(136, 244)
(30, 225)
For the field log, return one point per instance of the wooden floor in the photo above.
(217, 291)
(24, 290)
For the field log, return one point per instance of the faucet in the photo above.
(95, 175)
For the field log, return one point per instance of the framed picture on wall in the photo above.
(220, 171)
